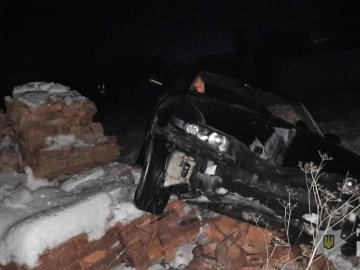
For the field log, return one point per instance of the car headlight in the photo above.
(219, 141)
(192, 129)
(213, 138)
(350, 186)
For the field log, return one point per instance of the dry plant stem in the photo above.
(322, 198)
(268, 255)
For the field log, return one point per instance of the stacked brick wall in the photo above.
(35, 126)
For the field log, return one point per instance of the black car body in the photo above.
(238, 146)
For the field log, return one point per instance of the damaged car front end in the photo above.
(232, 150)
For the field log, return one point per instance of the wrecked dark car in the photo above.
(238, 149)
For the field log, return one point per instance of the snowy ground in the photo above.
(34, 212)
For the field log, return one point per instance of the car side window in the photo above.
(198, 85)
(221, 88)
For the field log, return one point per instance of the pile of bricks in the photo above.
(238, 245)
(220, 243)
(42, 128)
(141, 243)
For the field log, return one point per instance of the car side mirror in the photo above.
(332, 138)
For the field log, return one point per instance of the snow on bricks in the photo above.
(55, 131)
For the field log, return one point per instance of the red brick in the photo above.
(260, 237)
(10, 266)
(284, 254)
(248, 245)
(116, 246)
(112, 259)
(168, 242)
(225, 252)
(169, 254)
(139, 262)
(144, 220)
(321, 263)
(72, 266)
(107, 241)
(145, 237)
(212, 232)
(205, 250)
(46, 266)
(88, 249)
(227, 225)
(254, 260)
(80, 240)
(68, 260)
(136, 246)
(178, 206)
(92, 258)
(128, 234)
(59, 252)
(154, 250)
(189, 228)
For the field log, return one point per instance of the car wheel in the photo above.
(150, 194)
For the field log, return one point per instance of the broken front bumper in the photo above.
(193, 162)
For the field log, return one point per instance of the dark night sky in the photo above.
(49, 40)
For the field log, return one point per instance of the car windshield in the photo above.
(223, 88)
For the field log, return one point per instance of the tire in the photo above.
(150, 195)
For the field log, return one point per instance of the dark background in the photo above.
(86, 43)
(307, 50)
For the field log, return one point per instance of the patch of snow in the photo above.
(182, 259)
(63, 140)
(221, 191)
(187, 209)
(312, 218)
(341, 263)
(113, 178)
(40, 86)
(122, 267)
(34, 99)
(125, 213)
(36, 94)
(8, 99)
(136, 174)
(158, 267)
(33, 183)
(210, 168)
(82, 178)
(10, 180)
(33, 220)
(183, 256)
(201, 198)
(18, 199)
(27, 240)
(68, 100)
(352, 217)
